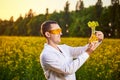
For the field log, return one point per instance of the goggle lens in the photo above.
(55, 31)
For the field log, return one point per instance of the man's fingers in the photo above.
(92, 46)
(99, 35)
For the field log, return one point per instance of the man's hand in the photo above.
(99, 35)
(91, 47)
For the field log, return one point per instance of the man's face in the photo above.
(55, 33)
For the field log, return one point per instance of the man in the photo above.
(60, 62)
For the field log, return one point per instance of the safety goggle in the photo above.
(55, 31)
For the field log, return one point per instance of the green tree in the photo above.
(98, 9)
(104, 22)
(79, 5)
(15, 28)
(66, 19)
(115, 18)
(47, 13)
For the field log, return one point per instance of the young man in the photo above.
(60, 62)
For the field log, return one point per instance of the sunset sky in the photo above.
(14, 8)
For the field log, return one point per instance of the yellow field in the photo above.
(19, 59)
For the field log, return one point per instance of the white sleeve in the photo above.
(75, 64)
(76, 51)
(53, 63)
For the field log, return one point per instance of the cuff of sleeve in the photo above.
(84, 55)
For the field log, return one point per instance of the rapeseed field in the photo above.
(19, 59)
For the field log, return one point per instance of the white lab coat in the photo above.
(62, 65)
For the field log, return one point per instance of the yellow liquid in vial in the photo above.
(93, 38)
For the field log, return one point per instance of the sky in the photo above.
(16, 8)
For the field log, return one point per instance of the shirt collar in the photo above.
(51, 48)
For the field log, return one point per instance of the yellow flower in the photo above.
(93, 24)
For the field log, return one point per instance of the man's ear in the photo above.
(47, 34)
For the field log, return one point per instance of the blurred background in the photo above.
(21, 42)
(23, 18)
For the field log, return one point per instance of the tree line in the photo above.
(73, 23)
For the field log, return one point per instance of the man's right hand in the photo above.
(91, 47)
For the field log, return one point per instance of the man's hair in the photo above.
(45, 26)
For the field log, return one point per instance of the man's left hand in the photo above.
(99, 35)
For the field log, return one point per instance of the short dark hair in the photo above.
(45, 26)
